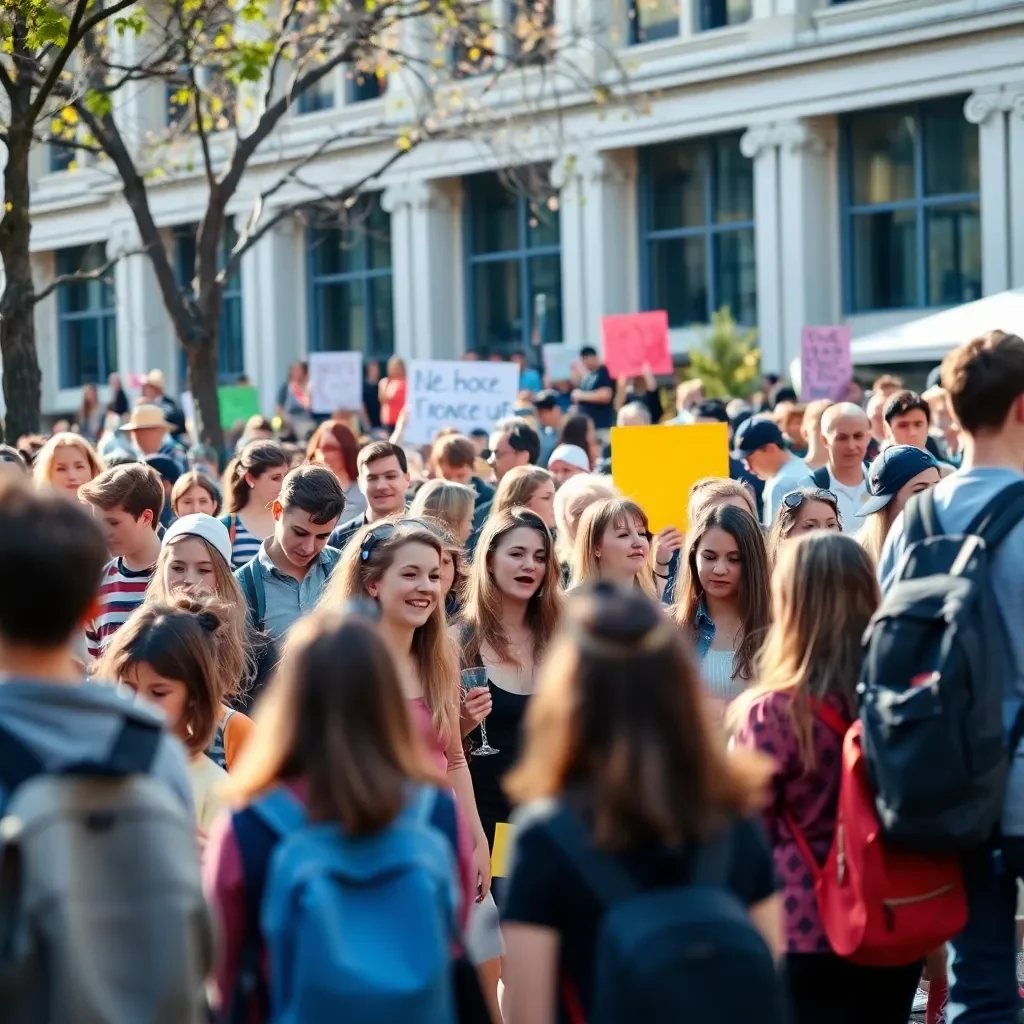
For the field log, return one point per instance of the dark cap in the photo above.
(711, 410)
(546, 399)
(165, 466)
(755, 434)
(893, 469)
(588, 350)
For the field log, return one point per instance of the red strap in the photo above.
(572, 1003)
(830, 716)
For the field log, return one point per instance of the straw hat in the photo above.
(155, 379)
(146, 416)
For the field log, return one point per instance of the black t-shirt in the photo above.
(602, 415)
(371, 402)
(544, 888)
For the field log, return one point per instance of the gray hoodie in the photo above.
(64, 724)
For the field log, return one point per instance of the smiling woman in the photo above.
(66, 462)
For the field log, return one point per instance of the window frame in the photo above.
(920, 204)
(77, 254)
(709, 230)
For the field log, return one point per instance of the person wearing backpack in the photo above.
(979, 816)
(823, 595)
(343, 882)
(635, 844)
(72, 752)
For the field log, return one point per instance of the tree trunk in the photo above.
(201, 354)
(21, 376)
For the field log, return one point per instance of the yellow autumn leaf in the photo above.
(69, 115)
(404, 143)
(474, 53)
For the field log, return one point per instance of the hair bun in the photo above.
(208, 620)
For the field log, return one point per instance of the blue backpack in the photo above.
(359, 929)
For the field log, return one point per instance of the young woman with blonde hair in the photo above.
(66, 461)
(624, 767)
(448, 502)
(194, 492)
(527, 487)
(824, 593)
(613, 543)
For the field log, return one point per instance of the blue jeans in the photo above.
(983, 957)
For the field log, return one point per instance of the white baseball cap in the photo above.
(572, 454)
(199, 524)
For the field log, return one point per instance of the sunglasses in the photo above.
(795, 499)
(384, 532)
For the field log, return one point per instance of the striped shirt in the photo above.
(244, 545)
(121, 592)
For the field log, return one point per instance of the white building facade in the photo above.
(800, 161)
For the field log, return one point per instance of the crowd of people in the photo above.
(356, 730)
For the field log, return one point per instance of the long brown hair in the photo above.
(433, 652)
(346, 442)
(754, 591)
(647, 764)
(334, 716)
(518, 486)
(824, 592)
(256, 458)
(481, 615)
(597, 519)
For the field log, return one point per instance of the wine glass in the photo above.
(471, 679)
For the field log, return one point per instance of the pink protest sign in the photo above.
(635, 340)
(826, 366)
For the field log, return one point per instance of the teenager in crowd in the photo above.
(907, 419)
(383, 475)
(594, 397)
(711, 491)
(126, 501)
(66, 461)
(453, 458)
(789, 418)
(513, 442)
(900, 472)
(761, 446)
(803, 511)
(591, 733)
(194, 493)
(391, 391)
(530, 487)
(722, 601)
(613, 543)
(847, 434)
(567, 461)
(166, 654)
(288, 574)
(550, 418)
(333, 730)
(817, 453)
(252, 483)
(450, 503)
(578, 431)
(90, 414)
(985, 383)
(293, 399)
(335, 446)
(454, 569)
(824, 593)
(571, 501)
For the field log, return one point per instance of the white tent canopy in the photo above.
(931, 337)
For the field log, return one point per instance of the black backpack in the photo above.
(936, 655)
(672, 954)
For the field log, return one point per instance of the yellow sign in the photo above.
(500, 849)
(656, 466)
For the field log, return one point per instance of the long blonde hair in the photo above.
(42, 466)
(871, 536)
(610, 514)
(481, 616)
(571, 500)
(433, 653)
(449, 502)
(518, 486)
(824, 592)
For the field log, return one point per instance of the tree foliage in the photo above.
(728, 360)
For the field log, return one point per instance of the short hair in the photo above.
(194, 478)
(52, 555)
(521, 437)
(983, 379)
(635, 411)
(133, 488)
(119, 457)
(587, 350)
(377, 450)
(838, 411)
(314, 490)
(887, 382)
(903, 402)
(454, 450)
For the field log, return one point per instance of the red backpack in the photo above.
(879, 906)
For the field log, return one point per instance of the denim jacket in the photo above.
(705, 630)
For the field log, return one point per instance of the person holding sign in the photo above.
(595, 396)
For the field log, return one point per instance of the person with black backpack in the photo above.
(635, 847)
(943, 673)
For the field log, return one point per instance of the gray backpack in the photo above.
(102, 915)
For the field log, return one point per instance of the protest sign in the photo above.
(558, 361)
(826, 365)
(633, 341)
(336, 381)
(237, 403)
(466, 396)
(655, 466)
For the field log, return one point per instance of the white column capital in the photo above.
(588, 166)
(416, 195)
(983, 103)
(793, 136)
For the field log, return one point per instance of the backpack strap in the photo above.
(602, 874)
(919, 519)
(255, 594)
(132, 752)
(830, 717)
(998, 518)
(806, 853)
(17, 763)
(281, 811)
(821, 477)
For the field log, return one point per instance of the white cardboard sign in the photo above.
(336, 381)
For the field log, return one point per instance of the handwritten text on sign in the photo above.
(826, 365)
(336, 381)
(634, 341)
(466, 396)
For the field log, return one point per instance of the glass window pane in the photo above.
(951, 164)
(231, 350)
(109, 327)
(885, 260)
(493, 215)
(882, 156)
(733, 182)
(679, 280)
(954, 254)
(545, 299)
(543, 226)
(677, 181)
(654, 19)
(340, 316)
(333, 252)
(377, 226)
(736, 274)
(499, 319)
(382, 341)
(319, 97)
(82, 352)
(720, 13)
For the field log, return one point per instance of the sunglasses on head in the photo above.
(795, 499)
(384, 532)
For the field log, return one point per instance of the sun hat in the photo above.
(146, 416)
(199, 524)
(895, 467)
(571, 454)
(155, 379)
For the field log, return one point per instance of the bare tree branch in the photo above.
(84, 276)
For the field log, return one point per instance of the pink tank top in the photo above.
(424, 725)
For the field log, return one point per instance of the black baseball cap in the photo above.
(891, 470)
(546, 399)
(755, 434)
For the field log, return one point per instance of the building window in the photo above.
(911, 207)
(351, 307)
(86, 319)
(697, 230)
(230, 336)
(361, 86)
(318, 97)
(61, 157)
(514, 278)
(653, 19)
(722, 13)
